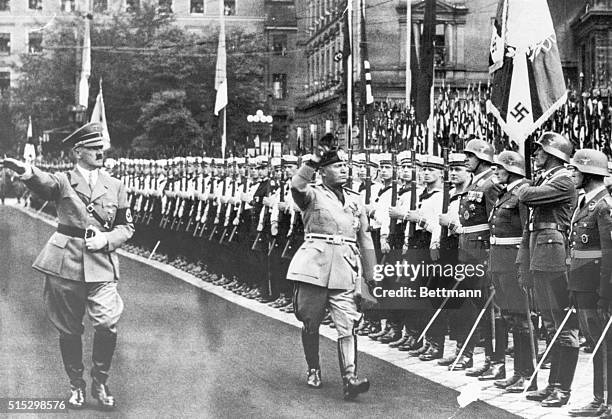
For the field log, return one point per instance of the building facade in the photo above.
(22, 24)
(462, 40)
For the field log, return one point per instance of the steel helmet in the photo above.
(590, 161)
(481, 149)
(512, 161)
(556, 145)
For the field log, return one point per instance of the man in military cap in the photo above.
(506, 222)
(590, 272)
(79, 260)
(425, 219)
(457, 313)
(542, 258)
(328, 267)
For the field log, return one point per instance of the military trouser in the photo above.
(552, 298)
(592, 325)
(66, 303)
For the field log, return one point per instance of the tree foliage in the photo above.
(157, 78)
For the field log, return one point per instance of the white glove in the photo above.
(97, 242)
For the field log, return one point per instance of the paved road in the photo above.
(183, 352)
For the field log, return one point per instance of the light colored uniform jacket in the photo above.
(333, 266)
(66, 256)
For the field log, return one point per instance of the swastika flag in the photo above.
(528, 83)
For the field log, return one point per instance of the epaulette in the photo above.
(349, 190)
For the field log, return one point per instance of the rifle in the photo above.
(445, 191)
(204, 218)
(394, 182)
(240, 210)
(263, 214)
(180, 204)
(413, 183)
(274, 244)
(152, 201)
(220, 204)
(167, 202)
(230, 207)
(193, 210)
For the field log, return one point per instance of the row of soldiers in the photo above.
(235, 217)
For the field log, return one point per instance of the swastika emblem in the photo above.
(520, 112)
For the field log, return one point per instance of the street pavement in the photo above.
(186, 352)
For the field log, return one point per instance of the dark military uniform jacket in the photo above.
(506, 222)
(591, 245)
(551, 200)
(477, 202)
(65, 256)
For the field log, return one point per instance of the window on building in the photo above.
(5, 5)
(229, 7)
(196, 6)
(35, 43)
(67, 6)
(279, 44)
(5, 83)
(35, 4)
(165, 6)
(439, 51)
(132, 5)
(5, 43)
(100, 5)
(279, 86)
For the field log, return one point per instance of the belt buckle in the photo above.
(492, 239)
(90, 207)
(337, 240)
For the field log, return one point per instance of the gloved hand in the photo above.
(97, 242)
(384, 245)
(15, 165)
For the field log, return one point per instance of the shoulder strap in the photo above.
(89, 206)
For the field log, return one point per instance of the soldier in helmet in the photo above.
(542, 257)
(477, 202)
(591, 266)
(506, 222)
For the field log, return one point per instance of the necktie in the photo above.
(91, 180)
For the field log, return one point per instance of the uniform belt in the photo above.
(475, 229)
(505, 240)
(586, 254)
(71, 231)
(547, 226)
(330, 238)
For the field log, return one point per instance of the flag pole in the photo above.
(408, 42)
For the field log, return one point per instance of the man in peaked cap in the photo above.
(79, 261)
(336, 237)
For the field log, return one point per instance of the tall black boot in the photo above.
(347, 357)
(71, 348)
(568, 358)
(310, 342)
(511, 381)
(104, 344)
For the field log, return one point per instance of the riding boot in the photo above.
(347, 357)
(71, 348)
